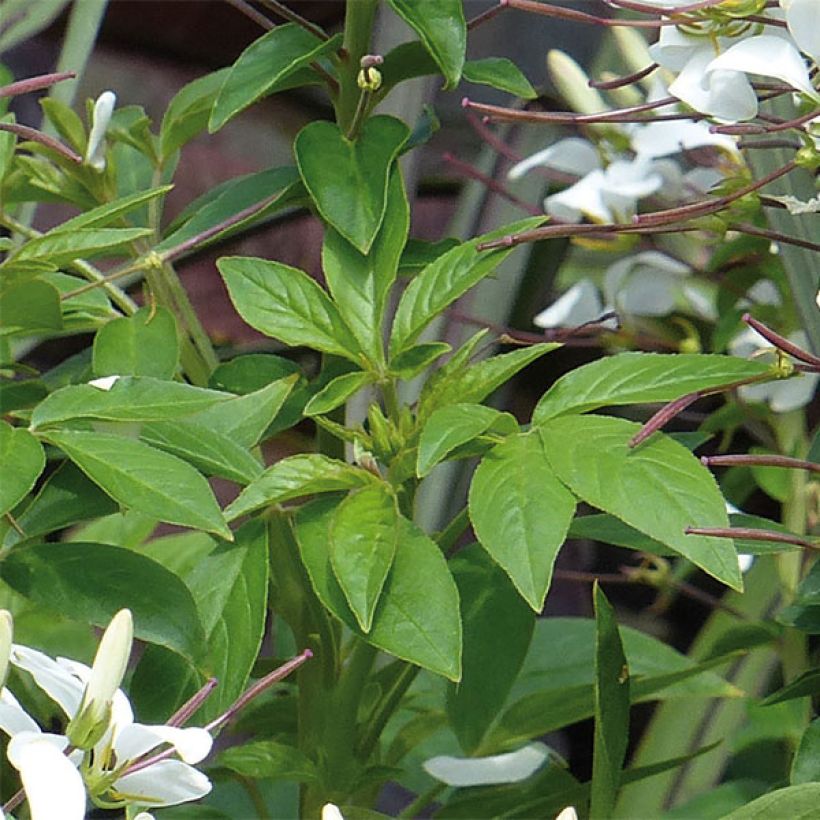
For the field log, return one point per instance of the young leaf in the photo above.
(347, 180)
(521, 513)
(448, 428)
(635, 378)
(286, 304)
(109, 212)
(336, 392)
(297, 476)
(23, 460)
(188, 112)
(411, 362)
(58, 248)
(659, 488)
(363, 536)
(795, 802)
(417, 617)
(497, 630)
(440, 25)
(145, 344)
(443, 281)
(611, 708)
(269, 760)
(265, 66)
(144, 478)
(500, 73)
(360, 283)
(91, 582)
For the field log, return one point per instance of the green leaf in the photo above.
(635, 378)
(611, 708)
(209, 451)
(659, 488)
(92, 582)
(144, 478)
(269, 760)
(31, 306)
(264, 66)
(244, 419)
(803, 612)
(806, 763)
(521, 512)
(440, 25)
(230, 199)
(65, 498)
(109, 212)
(336, 392)
(247, 374)
(418, 254)
(409, 364)
(795, 802)
(188, 112)
(58, 248)
(611, 530)
(285, 303)
(145, 344)
(417, 617)
(497, 630)
(444, 280)
(448, 428)
(361, 283)
(21, 394)
(297, 476)
(131, 398)
(347, 179)
(230, 587)
(363, 536)
(23, 460)
(500, 73)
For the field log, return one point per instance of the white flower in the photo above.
(646, 284)
(103, 109)
(331, 811)
(802, 20)
(512, 767)
(572, 155)
(580, 304)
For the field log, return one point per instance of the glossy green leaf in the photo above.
(144, 478)
(269, 760)
(286, 304)
(806, 763)
(58, 247)
(131, 398)
(363, 536)
(659, 488)
(23, 460)
(459, 381)
(109, 212)
(500, 73)
(297, 476)
(247, 374)
(336, 392)
(188, 112)
(211, 452)
(497, 630)
(21, 394)
(521, 512)
(347, 180)
(265, 65)
(795, 802)
(441, 26)
(444, 280)
(244, 419)
(145, 344)
(361, 283)
(230, 588)
(281, 186)
(611, 708)
(92, 582)
(448, 428)
(417, 617)
(91, 304)
(31, 306)
(611, 530)
(412, 361)
(635, 378)
(418, 254)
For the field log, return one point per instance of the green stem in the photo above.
(359, 18)
(423, 801)
(447, 538)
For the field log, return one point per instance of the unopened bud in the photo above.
(369, 79)
(101, 116)
(572, 83)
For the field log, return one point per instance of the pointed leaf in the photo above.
(144, 478)
(58, 248)
(285, 303)
(521, 513)
(23, 460)
(188, 112)
(109, 212)
(269, 760)
(347, 180)
(417, 617)
(806, 763)
(795, 802)
(500, 73)
(145, 344)
(337, 392)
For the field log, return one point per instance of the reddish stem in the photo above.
(760, 460)
(35, 83)
(752, 534)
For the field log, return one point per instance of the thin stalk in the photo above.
(359, 18)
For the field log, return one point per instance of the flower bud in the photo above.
(573, 84)
(103, 109)
(369, 79)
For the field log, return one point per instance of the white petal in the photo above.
(13, 718)
(480, 771)
(166, 783)
(580, 304)
(103, 109)
(331, 812)
(745, 561)
(56, 681)
(661, 139)
(572, 155)
(110, 661)
(53, 786)
(768, 56)
(568, 813)
(804, 25)
(791, 394)
(104, 383)
(192, 744)
(674, 49)
(144, 815)
(582, 198)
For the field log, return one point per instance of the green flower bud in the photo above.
(369, 79)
